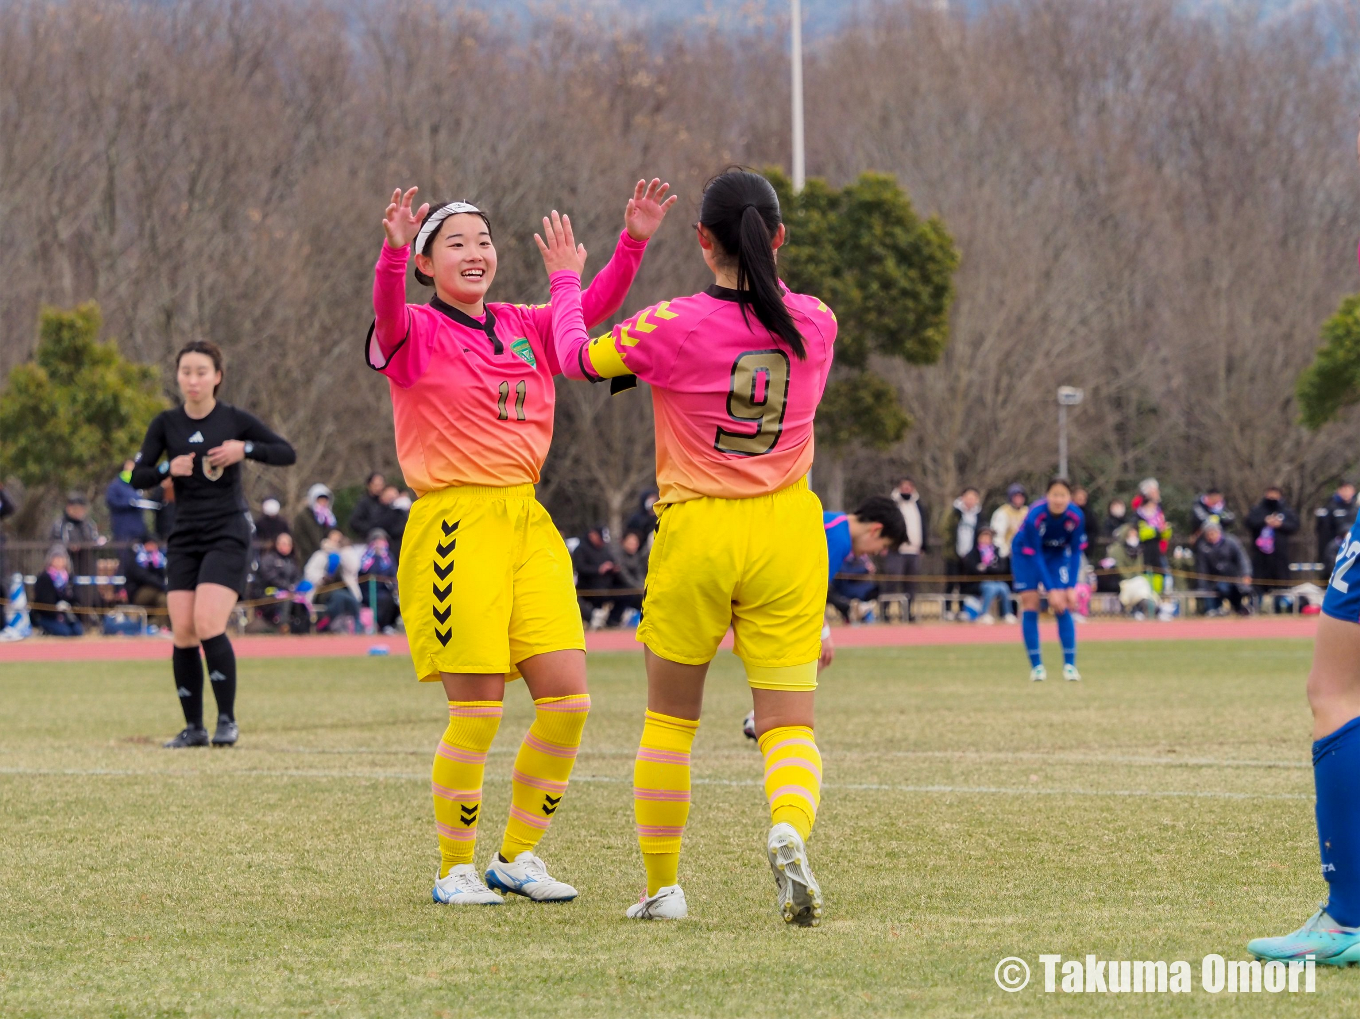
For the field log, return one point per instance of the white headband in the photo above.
(438, 216)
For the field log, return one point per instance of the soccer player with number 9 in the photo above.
(736, 373)
(485, 579)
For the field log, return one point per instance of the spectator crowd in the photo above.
(316, 572)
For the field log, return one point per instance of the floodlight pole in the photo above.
(799, 167)
(1068, 396)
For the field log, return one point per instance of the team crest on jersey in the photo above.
(522, 350)
(210, 472)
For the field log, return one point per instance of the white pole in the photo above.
(799, 169)
(1062, 439)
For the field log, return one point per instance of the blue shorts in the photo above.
(1052, 572)
(1342, 600)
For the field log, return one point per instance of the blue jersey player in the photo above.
(1046, 553)
(875, 527)
(1332, 934)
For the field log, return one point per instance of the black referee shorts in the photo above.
(210, 552)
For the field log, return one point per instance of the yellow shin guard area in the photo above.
(793, 776)
(456, 780)
(542, 768)
(661, 795)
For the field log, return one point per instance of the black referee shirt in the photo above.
(209, 492)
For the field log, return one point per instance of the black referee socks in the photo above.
(188, 668)
(222, 671)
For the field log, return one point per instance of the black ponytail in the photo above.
(741, 210)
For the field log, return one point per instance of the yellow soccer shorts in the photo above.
(485, 582)
(757, 565)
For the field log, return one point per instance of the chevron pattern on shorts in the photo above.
(443, 549)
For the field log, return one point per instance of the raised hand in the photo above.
(647, 208)
(400, 223)
(560, 250)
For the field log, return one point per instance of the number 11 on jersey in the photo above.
(521, 391)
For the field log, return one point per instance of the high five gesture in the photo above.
(400, 223)
(647, 208)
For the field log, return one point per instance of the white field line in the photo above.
(857, 786)
(831, 755)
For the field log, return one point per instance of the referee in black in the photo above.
(209, 551)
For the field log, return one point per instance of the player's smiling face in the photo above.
(462, 259)
(1059, 498)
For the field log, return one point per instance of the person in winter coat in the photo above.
(1116, 516)
(278, 577)
(55, 593)
(596, 562)
(369, 512)
(643, 522)
(1332, 520)
(127, 519)
(270, 524)
(312, 524)
(77, 533)
(378, 565)
(961, 532)
(1210, 506)
(335, 562)
(1153, 531)
(143, 569)
(1007, 518)
(905, 560)
(1221, 557)
(633, 555)
(1271, 524)
(986, 562)
(1134, 586)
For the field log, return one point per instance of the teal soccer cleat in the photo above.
(1327, 941)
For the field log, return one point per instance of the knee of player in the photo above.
(205, 628)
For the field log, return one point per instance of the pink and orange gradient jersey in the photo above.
(472, 398)
(734, 406)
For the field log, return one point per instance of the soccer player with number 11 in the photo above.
(485, 578)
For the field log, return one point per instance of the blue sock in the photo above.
(1029, 626)
(1336, 760)
(1067, 635)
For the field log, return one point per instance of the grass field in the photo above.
(1159, 810)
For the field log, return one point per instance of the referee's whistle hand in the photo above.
(230, 452)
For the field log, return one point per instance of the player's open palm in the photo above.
(558, 246)
(647, 208)
(400, 223)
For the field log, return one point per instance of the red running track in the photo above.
(113, 649)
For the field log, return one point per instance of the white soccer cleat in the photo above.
(1038, 674)
(1011, 618)
(667, 904)
(526, 875)
(748, 724)
(464, 887)
(800, 896)
(1071, 674)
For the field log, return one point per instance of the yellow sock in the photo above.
(661, 795)
(793, 776)
(542, 768)
(456, 780)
